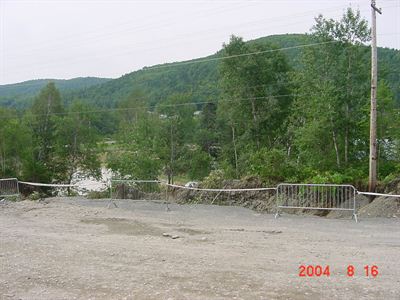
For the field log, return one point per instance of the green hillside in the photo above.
(200, 79)
(21, 94)
(197, 77)
(158, 82)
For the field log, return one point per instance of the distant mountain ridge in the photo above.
(21, 94)
(199, 79)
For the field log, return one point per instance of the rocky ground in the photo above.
(74, 248)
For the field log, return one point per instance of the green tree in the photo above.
(176, 130)
(135, 155)
(388, 130)
(196, 162)
(46, 108)
(255, 99)
(207, 133)
(15, 144)
(76, 146)
(332, 90)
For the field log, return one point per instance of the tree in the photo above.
(135, 155)
(176, 130)
(196, 162)
(332, 91)
(207, 132)
(387, 131)
(15, 144)
(255, 99)
(46, 108)
(76, 146)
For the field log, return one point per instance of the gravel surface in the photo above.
(73, 248)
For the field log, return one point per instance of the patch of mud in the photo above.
(190, 231)
(178, 224)
(262, 231)
(125, 226)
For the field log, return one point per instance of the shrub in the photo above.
(214, 180)
(98, 194)
(35, 196)
(271, 165)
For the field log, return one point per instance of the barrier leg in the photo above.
(167, 198)
(112, 203)
(355, 217)
(277, 214)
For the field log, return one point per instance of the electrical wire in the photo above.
(130, 30)
(279, 19)
(91, 56)
(158, 105)
(210, 59)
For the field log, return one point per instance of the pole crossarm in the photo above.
(378, 10)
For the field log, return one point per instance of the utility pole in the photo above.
(374, 82)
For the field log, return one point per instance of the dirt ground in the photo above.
(73, 248)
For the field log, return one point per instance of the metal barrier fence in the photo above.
(316, 197)
(9, 187)
(288, 196)
(139, 190)
(224, 196)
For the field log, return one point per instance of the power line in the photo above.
(91, 56)
(195, 61)
(130, 51)
(159, 105)
(152, 106)
(168, 65)
(147, 80)
(156, 48)
(135, 29)
(240, 55)
(335, 8)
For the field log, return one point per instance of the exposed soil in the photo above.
(73, 248)
(388, 207)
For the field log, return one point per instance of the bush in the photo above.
(35, 196)
(328, 177)
(11, 198)
(98, 194)
(214, 180)
(198, 163)
(271, 165)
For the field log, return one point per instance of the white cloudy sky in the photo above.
(66, 39)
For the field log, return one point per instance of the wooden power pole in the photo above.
(374, 82)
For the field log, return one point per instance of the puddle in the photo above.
(125, 226)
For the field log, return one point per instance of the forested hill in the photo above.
(21, 94)
(198, 77)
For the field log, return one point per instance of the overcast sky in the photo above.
(67, 39)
